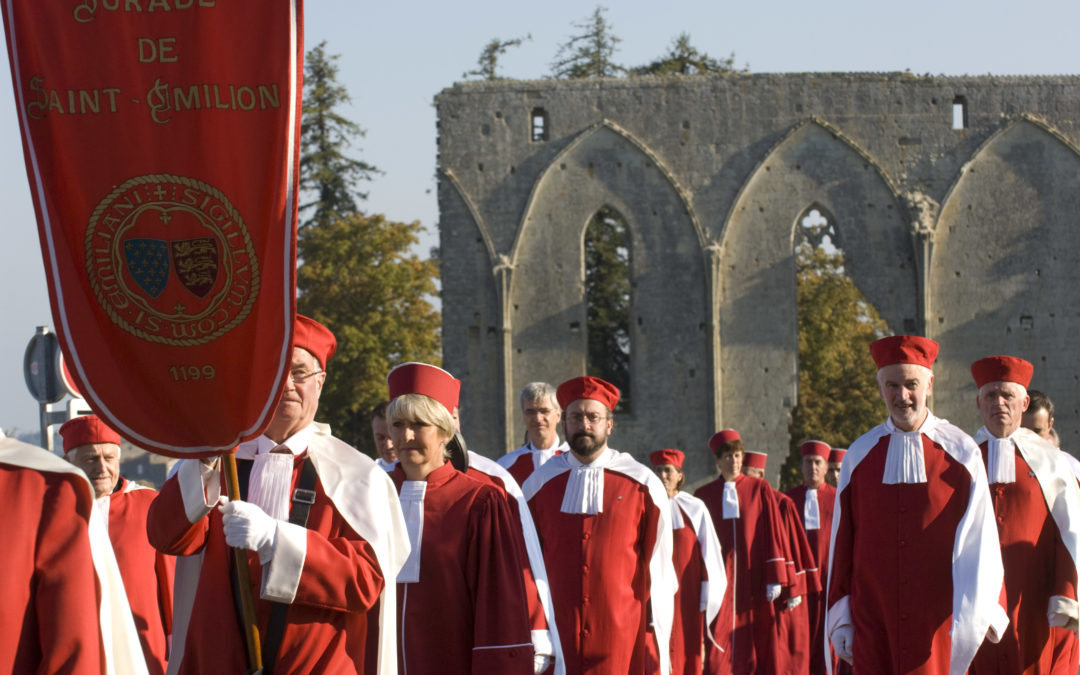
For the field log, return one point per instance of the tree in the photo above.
(326, 172)
(591, 53)
(356, 274)
(683, 58)
(838, 393)
(488, 63)
(607, 301)
(359, 279)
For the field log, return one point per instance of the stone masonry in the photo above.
(968, 235)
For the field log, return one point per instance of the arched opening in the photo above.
(608, 300)
(837, 390)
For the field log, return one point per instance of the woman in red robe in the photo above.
(462, 605)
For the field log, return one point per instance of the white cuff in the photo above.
(1062, 612)
(999, 623)
(200, 488)
(541, 640)
(281, 577)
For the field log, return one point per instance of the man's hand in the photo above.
(541, 662)
(842, 638)
(772, 592)
(248, 526)
(792, 603)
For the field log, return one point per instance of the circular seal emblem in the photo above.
(171, 261)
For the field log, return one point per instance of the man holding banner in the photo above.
(316, 575)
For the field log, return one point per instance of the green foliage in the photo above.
(327, 174)
(487, 65)
(838, 395)
(607, 300)
(590, 53)
(359, 279)
(356, 275)
(683, 58)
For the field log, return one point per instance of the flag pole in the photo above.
(243, 574)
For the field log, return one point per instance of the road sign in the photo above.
(40, 366)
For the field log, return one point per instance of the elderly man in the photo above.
(64, 609)
(147, 573)
(752, 532)
(542, 413)
(814, 504)
(325, 533)
(1037, 504)
(604, 523)
(915, 575)
(380, 433)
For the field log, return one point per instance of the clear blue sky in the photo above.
(395, 56)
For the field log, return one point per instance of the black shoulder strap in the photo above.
(303, 498)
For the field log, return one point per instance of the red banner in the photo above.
(161, 141)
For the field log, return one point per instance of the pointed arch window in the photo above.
(608, 300)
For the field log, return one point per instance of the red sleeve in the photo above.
(1064, 570)
(167, 525)
(502, 642)
(340, 573)
(776, 550)
(66, 593)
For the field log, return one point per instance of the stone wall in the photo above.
(966, 235)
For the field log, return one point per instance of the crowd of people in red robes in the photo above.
(918, 549)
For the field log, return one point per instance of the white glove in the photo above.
(541, 662)
(248, 526)
(842, 638)
(1057, 619)
(792, 603)
(772, 591)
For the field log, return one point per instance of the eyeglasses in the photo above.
(300, 376)
(591, 418)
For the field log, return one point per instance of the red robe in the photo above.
(1066, 644)
(1037, 566)
(545, 637)
(522, 462)
(147, 573)
(695, 550)
(49, 589)
(793, 647)
(819, 544)
(468, 612)
(892, 573)
(754, 557)
(332, 574)
(605, 566)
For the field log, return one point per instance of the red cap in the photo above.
(667, 456)
(587, 387)
(311, 335)
(815, 448)
(721, 437)
(85, 430)
(1002, 369)
(836, 455)
(755, 460)
(912, 349)
(422, 378)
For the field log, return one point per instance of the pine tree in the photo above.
(683, 58)
(590, 54)
(607, 301)
(487, 65)
(327, 174)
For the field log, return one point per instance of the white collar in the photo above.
(297, 443)
(905, 462)
(585, 486)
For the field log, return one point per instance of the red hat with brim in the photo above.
(815, 449)
(587, 387)
(836, 455)
(316, 338)
(426, 379)
(86, 430)
(721, 437)
(755, 460)
(913, 349)
(667, 456)
(1002, 369)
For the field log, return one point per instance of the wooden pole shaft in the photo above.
(243, 574)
